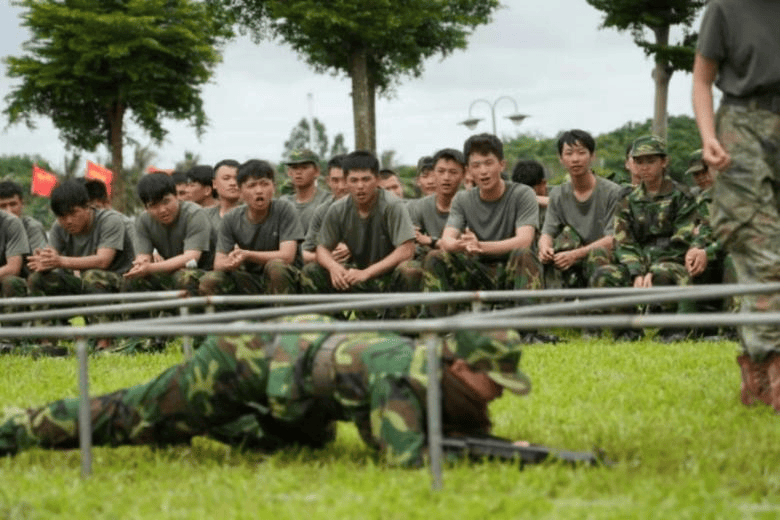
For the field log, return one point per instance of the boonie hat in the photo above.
(302, 156)
(648, 145)
(695, 163)
(495, 352)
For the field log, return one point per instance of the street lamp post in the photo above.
(472, 122)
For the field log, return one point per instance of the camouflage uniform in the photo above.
(296, 385)
(652, 232)
(578, 274)
(64, 282)
(276, 277)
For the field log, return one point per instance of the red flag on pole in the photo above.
(42, 182)
(101, 173)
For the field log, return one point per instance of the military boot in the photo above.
(772, 367)
(755, 381)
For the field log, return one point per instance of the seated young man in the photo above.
(12, 201)
(89, 249)
(390, 181)
(377, 230)
(489, 238)
(579, 215)
(303, 168)
(430, 213)
(531, 173)
(257, 242)
(178, 230)
(226, 188)
(654, 228)
(426, 180)
(14, 247)
(200, 185)
(338, 189)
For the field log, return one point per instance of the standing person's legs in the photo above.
(746, 215)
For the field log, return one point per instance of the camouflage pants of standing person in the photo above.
(213, 394)
(664, 273)
(276, 277)
(445, 271)
(745, 213)
(60, 282)
(406, 277)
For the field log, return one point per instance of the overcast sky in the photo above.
(549, 56)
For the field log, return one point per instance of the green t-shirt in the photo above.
(592, 219)
(497, 219)
(191, 231)
(310, 242)
(280, 225)
(13, 239)
(427, 217)
(36, 236)
(306, 209)
(369, 239)
(742, 36)
(108, 230)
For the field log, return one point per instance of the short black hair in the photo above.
(10, 189)
(530, 173)
(203, 174)
(572, 137)
(386, 173)
(153, 187)
(254, 169)
(484, 144)
(232, 163)
(179, 177)
(450, 154)
(96, 189)
(67, 196)
(360, 160)
(337, 161)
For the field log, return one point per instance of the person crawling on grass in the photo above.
(296, 387)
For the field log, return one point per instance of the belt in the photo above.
(770, 102)
(322, 372)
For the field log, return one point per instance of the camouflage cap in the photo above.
(302, 156)
(648, 145)
(695, 163)
(495, 352)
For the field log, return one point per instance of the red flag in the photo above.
(106, 176)
(42, 182)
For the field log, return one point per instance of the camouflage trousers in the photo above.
(609, 274)
(213, 394)
(406, 277)
(276, 277)
(445, 271)
(60, 282)
(745, 213)
(579, 274)
(13, 287)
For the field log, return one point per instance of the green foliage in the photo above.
(668, 415)
(89, 61)
(18, 168)
(683, 138)
(639, 15)
(299, 138)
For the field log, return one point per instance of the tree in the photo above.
(91, 62)
(319, 144)
(374, 42)
(658, 16)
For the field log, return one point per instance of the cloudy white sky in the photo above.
(549, 56)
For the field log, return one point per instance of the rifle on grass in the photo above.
(478, 448)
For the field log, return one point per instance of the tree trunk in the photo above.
(116, 114)
(661, 75)
(361, 106)
(372, 112)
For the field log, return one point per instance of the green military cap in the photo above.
(695, 163)
(495, 352)
(302, 156)
(648, 145)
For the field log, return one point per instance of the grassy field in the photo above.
(669, 415)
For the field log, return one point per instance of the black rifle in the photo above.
(478, 448)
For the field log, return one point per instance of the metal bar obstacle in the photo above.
(529, 317)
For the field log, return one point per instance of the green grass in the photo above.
(669, 415)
